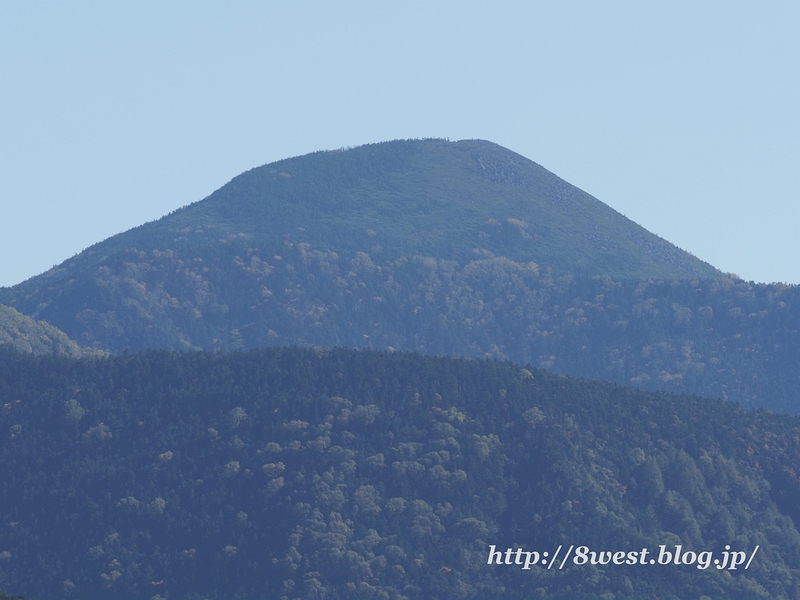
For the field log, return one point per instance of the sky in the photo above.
(683, 116)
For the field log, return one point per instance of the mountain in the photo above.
(460, 248)
(318, 473)
(458, 201)
(447, 200)
(27, 335)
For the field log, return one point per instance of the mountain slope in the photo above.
(448, 200)
(720, 338)
(440, 199)
(309, 473)
(376, 247)
(385, 202)
(27, 335)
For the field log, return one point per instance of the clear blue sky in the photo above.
(684, 116)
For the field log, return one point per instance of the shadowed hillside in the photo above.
(310, 473)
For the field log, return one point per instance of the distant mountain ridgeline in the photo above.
(311, 473)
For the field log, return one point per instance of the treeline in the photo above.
(317, 473)
(724, 338)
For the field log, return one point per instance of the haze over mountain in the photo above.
(441, 247)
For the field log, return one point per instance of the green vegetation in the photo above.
(317, 473)
(720, 338)
(26, 335)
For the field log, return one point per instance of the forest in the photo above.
(28, 335)
(332, 473)
(723, 337)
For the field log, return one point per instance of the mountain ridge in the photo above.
(356, 183)
(290, 253)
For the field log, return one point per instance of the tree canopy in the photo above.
(307, 473)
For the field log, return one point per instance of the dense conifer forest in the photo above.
(319, 473)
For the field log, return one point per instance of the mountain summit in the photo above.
(449, 200)
(199, 275)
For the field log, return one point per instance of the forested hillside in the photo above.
(446, 248)
(316, 473)
(721, 338)
(27, 335)
(382, 203)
